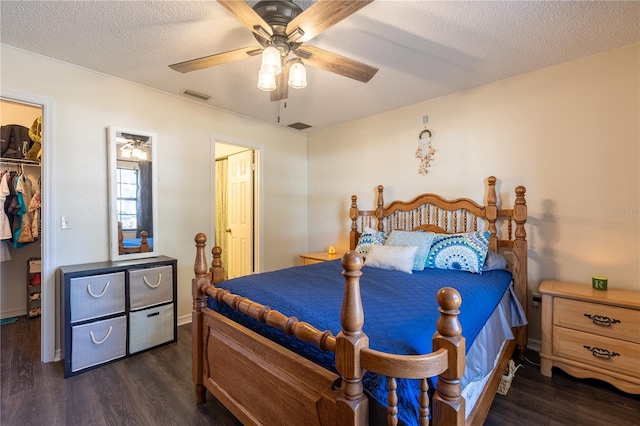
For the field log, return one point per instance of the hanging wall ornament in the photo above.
(425, 151)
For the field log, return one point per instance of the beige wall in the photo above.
(569, 133)
(86, 103)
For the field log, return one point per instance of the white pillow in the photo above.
(394, 258)
(413, 238)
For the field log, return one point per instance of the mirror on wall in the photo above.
(133, 214)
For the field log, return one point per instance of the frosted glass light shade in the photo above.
(125, 152)
(271, 62)
(266, 81)
(297, 76)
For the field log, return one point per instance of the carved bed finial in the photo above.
(216, 270)
(449, 300)
(200, 265)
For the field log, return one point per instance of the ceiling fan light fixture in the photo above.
(266, 81)
(297, 76)
(271, 62)
(125, 152)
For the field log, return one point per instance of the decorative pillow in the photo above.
(407, 239)
(394, 258)
(463, 252)
(494, 261)
(368, 238)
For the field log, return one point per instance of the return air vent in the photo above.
(196, 95)
(299, 126)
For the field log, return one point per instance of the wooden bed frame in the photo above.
(260, 382)
(142, 248)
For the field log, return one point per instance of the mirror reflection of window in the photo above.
(127, 199)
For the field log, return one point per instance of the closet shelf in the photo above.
(17, 161)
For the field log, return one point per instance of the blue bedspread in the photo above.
(135, 242)
(400, 310)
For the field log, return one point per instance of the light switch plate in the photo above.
(65, 222)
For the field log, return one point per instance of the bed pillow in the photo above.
(408, 239)
(368, 238)
(394, 258)
(462, 252)
(494, 261)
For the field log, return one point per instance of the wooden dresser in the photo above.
(591, 333)
(116, 309)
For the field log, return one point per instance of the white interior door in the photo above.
(240, 213)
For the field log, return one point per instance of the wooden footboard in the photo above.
(263, 383)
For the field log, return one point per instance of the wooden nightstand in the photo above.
(591, 333)
(317, 257)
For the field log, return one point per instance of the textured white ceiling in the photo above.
(423, 49)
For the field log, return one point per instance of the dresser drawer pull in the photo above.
(601, 353)
(144, 278)
(104, 290)
(601, 321)
(99, 342)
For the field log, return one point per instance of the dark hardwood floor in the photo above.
(154, 388)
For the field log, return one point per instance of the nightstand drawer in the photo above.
(610, 354)
(96, 296)
(604, 320)
(150, 286)
(98, 342)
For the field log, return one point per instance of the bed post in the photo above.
(144, 242)
(199, 302)
(380, 208)
(216, 271)
(352, 405)
(448, 404)
(492, 213)
(354, 213)
(520, 265)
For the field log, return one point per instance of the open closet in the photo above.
(21, 215)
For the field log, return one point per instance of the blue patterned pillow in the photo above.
(462, 252)
(368, 238)
(409, 238)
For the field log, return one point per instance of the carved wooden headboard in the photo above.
(431, 212)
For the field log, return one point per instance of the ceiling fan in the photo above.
(282, 26)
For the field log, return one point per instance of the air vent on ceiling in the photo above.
(299, 126)
(196, 95)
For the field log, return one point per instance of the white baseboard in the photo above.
(185, 319)
(534, 345)
(19, 312)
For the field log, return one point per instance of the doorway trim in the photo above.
(258, 149)
(48, 293)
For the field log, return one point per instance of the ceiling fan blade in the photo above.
(320, 16)
(335, 63)
(282, 85)
(249, 18)
(217, 59)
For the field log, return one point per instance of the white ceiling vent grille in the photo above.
(197, 95)
(299, 126)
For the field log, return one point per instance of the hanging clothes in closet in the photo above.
(20, 218)
(5, 222)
